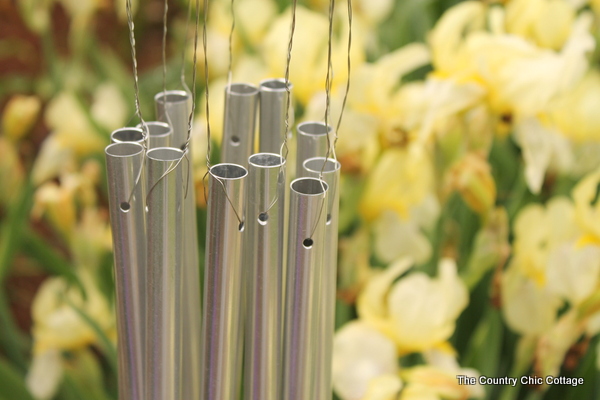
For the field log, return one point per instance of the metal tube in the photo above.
(159, 134)
(326, 296)
(124, 165)
(174, 107)
(164, 274)
(239, 120)
(311, 142)
(223, 283)
(273, 103)
(123, 135)
(304, 263)
(264, 252)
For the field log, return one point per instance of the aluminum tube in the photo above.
(273, 103)
(304, 264)
(159, 134)
(174, 107)
(164, 274)
(123, 135)
(223, 283)
(264, 253)
(311, 142)
(239, 120)
(326, 296)
(124, 163)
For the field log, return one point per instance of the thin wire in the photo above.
(348, 81)
(230, 68)
(284, 146)
(185, 38)
(206, 92)
(164, 46)
(138, 109)
(284, 150)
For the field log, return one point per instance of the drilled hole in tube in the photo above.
(241, 226)
(235, 140)
(307, 243)
(262, 218)
(125, 206)
(328, 221)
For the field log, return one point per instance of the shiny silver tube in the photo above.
(263, 276)
(223, 283)
(311, 141)
(124, 165)
(159, 134)
(174, 107)
(304, 265)
(326, 295)
(239, 123)
(123, 135)
(164, 273)
(273, 103)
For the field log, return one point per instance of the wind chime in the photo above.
(265, 326)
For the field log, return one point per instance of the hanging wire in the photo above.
(138, 110)
(206, 93)
(349, 65)
(164, 47)
(284, 146)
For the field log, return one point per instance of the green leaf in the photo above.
(12, 341)
(12, 384)
(105, 344)
(49, 259)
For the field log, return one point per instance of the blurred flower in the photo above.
(20, 114)
(547, 23)
(57, 325)
(71, 126)
(397, 238)
(428, 382)
(402, 178)
(108, 107)
(52, 160)
(253, 26)
(587, 207)
(417, 312)
(309, 53)
(12, 172)
(543, 147)
(44, 374)
(384, 387)
(357, 146)
(360, 353)
(472, 178)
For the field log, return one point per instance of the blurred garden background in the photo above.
(470, 199)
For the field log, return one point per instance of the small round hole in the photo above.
(125, 206)
(262, 218)
(235, 140)
(328, 219)
(241, 226)
(307, 243)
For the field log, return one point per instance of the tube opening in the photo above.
(228, 171)
(241, 226)
(316, 165)
(242, 89)
(156, 128)
(235, 140)
(165, 154)
(277, 84)
(172, 96)
(125, 206)
(127, 135)
(124, 149)
(266, 160)
(309, 186)
(314, 128)
(307, 243)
